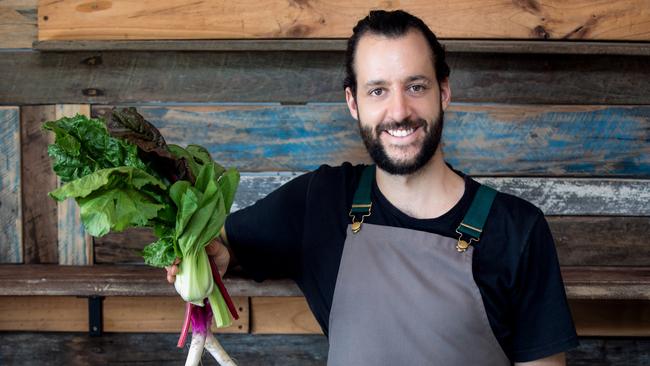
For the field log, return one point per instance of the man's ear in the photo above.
(352, 103)
(445, 93)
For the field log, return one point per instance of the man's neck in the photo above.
(428, 193)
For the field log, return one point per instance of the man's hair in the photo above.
(392, 24)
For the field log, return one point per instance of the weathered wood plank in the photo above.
(173, 19)
(611, 318)
(79, 349)
(580, 241)
(479, 139)
(75, 246)
(282, 315)
(11, 245)
(131, 77)
(592, 282)
(39, 211)
(451, 46)
(555, 196)
(107, 280)
(160, 314)
(17, 23)
(43, 314)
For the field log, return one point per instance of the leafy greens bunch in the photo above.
(123, 174)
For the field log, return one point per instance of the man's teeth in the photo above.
(400, 133)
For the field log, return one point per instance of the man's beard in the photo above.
(432, 136)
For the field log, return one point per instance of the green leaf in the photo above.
(228, 183)
(160, 253)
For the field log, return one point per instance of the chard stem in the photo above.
(189, 307)
(222, 288)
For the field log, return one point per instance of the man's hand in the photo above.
(215, 249)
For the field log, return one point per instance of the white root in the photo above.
(196, 349)
(214, 347)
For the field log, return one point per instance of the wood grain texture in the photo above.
(39, 210)
(155, 314)
(79, 349)
(304, 45)
(108, 280)
(579, 240)
(298, 77)
(478, 139)
(612, 318)
(75, 246)
(43, 313)
(11, 245)
(554, 196)
(18, 23)
(173, 19)
(589, 282)
(282, 315)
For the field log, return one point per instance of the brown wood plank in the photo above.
(298, 77)
(39, 210)
(580, 241)
(43, 313)
(611, 318)
(169, 19)
(593, 282)
(451, 46)
(17, 23)
(282, 315)
(601, 241)
(107, 280)
(155, 314)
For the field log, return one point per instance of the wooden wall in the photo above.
(550, 102)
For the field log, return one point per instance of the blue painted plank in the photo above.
(478, 139)
(11, 246)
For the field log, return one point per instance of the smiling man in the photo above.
(408, 261)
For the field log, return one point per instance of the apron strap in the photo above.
(472, 224)
(362, 202)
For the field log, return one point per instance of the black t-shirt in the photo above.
(298, 231)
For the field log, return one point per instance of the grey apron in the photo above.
(408, 297)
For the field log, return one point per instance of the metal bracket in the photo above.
(95, 315)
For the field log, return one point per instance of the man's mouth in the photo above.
(401, 132)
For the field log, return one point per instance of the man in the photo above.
(409, 262)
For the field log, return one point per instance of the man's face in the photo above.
(399, 104)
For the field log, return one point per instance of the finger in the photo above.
(171, 278)
(172, 270)
(213, 248)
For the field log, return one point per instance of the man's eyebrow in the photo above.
(409, 79)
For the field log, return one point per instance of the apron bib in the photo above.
(407, 297)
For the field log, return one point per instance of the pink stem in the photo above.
(189, 307)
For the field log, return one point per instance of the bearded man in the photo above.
(407, 261)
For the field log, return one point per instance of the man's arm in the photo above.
(557, 359)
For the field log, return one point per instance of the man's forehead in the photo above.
(405, 57)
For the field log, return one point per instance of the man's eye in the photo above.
(376, 92)
(417, 88)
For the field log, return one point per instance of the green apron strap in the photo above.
(362, 203)
(472, 224)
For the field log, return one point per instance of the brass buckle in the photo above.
(356, 225)
(462, 245)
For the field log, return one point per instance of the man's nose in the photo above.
(400, 108)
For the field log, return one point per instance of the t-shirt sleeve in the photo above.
(542, 320)
(266, 237)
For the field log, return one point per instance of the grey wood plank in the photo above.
(310, 45)
(554, 196)
(77, 349)
(28, 77)
(11, 226)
